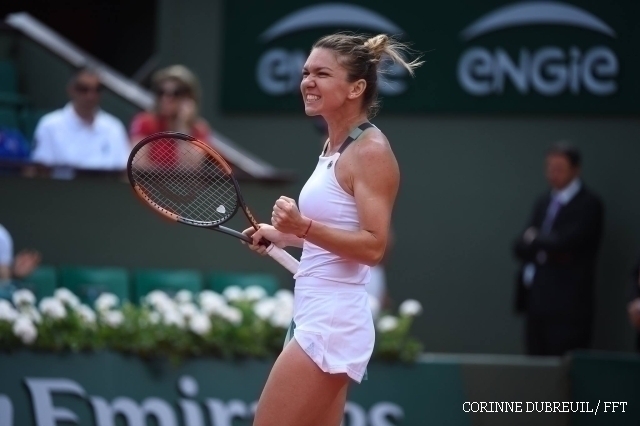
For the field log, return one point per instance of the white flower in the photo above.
(280, 319)
(155, 317)
(211, 302)
(374, 305)
(233, 293)
(200, 324)
(284, 306)
(67, 297)
(183, 296)
(410, 308)
(173, 317)
(51, 307)
(158, 298)
(265, 308)
(106, 302)
(255, 292)
(86, 314)
(24, 329)
(387, 323)
(112, 318)
(284, 296)
(32, 313)
(23, 297)
(160, 301)
(232, 314)
(188, 310)
(7, 312)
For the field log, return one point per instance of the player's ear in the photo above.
(357, 89)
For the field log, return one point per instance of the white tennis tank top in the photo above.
(323, 200)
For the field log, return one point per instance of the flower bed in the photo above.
(237, 323)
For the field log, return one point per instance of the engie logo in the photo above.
(549, 70)
(279, 70)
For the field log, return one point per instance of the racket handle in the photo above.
(283, 258)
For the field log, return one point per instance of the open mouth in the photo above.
(311, 98)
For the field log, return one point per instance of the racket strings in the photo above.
(184, 179)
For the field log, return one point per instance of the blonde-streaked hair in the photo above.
(361, 56)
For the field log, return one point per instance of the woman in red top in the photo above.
(176, 108)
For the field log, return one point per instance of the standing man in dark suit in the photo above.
(633, 308)
(558, 251)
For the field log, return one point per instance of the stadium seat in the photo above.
(29, 120)
(8, 76)
(218, 281)
(42, 282)
(169, 281)
(88, 283)
(9, 92)
(8, 117)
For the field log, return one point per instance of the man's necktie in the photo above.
(552, 211)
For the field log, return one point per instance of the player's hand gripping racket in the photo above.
(185, 180)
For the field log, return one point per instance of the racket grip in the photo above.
(283, 258)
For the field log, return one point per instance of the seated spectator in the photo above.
(176, 109)
(23, 264)
(81, 135)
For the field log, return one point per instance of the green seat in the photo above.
(13, 99)
(218, 281)
(42, 282)
(8, 117)
(9, 91)
(8, 76)
(88, 282)
(170, 281)
(29, 119)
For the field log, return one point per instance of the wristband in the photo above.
(303, 236)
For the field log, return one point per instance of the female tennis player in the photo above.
(342, 225)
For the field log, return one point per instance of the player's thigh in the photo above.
(298, 392)
(334, 414)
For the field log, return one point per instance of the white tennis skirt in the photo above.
(332, 323)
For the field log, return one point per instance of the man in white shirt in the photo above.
(81, 135)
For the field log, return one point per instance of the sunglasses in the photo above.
(84, 89)
(178, 93)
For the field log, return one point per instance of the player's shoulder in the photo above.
(373, 143)
(373, 155)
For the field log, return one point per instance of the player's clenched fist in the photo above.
(286, 217)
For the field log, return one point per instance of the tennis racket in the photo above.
(187, 181)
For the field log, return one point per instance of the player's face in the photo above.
(324, 83)
(559, 171)
(170, 94)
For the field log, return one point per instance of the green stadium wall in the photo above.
(468, 183)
